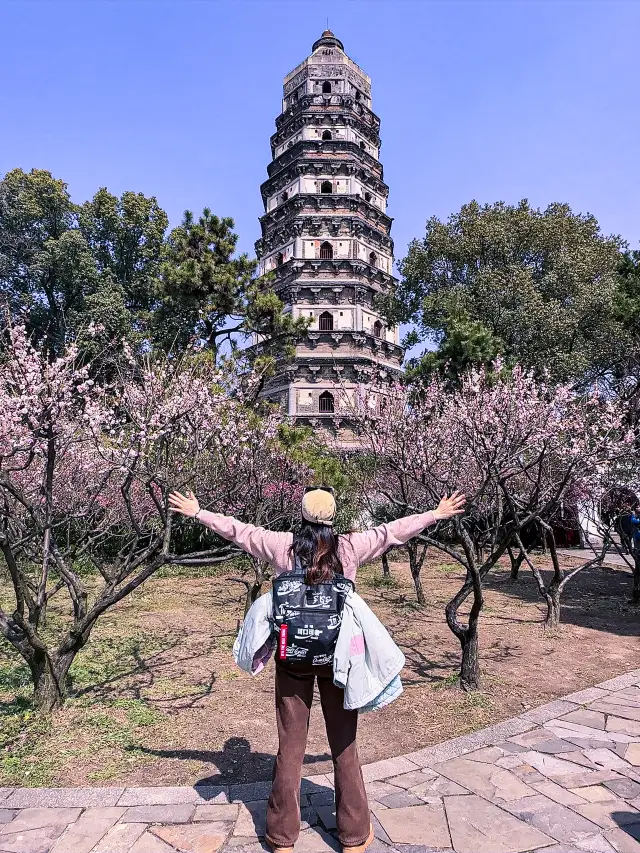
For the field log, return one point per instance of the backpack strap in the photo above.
(298, 568)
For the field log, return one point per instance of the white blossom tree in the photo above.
(515, 446)
(84, 476)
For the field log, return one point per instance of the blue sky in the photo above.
(486, 100)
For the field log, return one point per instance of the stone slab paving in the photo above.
(561, 778)
(611, 559)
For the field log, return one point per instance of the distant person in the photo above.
(634, 518)
(323, 557)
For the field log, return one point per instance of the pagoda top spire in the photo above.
(327, 39)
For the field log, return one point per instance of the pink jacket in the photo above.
(354, 549)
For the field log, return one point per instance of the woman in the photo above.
(323, 554)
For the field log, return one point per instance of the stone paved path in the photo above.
(611, 559)
(562, 778)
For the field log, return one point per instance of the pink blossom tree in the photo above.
(515, 446)
(84, 476)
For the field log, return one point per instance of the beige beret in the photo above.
(319, 507)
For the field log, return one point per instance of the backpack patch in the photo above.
(307, 618)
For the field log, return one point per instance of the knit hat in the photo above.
(319, 506)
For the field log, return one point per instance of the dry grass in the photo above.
(157, 699)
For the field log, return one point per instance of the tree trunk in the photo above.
(417, 581)
(470, 666)
(254, 589)
(386, 571)
(468, 635)
(516, 563)
(50, 682)
(552, 597)
(635, 595)
(582, 539)
(552, 592)
(248, 600)
(416, 561)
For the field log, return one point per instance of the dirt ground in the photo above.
(158, 700)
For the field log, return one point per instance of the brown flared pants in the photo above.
(294, 695)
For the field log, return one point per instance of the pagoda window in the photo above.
(358, 95)
(325, 322)
(326, 251)
(326, 403)
(362, 145)
(373, 259)
(279, 259)
(367, 196)
(326, 88)
(377, 329)
(284, 196)
(327, 135)
(326, 187)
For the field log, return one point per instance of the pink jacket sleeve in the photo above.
(373, 543)
(267, 545)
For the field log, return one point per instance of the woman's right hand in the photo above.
(450, 506)
(184, 504)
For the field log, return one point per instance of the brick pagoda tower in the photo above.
(325, 236)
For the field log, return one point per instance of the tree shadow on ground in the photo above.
(597, 598)
(142, 676)
(423, 667)
(235, 763)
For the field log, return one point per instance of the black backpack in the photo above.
(307, 617)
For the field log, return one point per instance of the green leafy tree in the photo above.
(624, 374)
(209, 295)
(126, 236)
(46, 265)
(464, 343)
(203, 287)
(627, 300)
(538, 285)
(85, 273)
(106, 273)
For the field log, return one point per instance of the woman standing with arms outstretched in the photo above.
(322, 554)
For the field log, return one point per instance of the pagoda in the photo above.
(326, 237)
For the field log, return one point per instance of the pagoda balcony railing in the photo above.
(312, 147)
(312, 204)
(312, 168)
(368, 345)
(324, 103)
(297, 265)
(310, 120)
(281, 236)
(360, 339)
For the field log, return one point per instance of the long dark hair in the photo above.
(316, 546)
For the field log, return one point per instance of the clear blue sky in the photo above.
(485, 100)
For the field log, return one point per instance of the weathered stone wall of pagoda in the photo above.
(326, 235)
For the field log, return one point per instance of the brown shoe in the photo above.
(275, 849)
(361, 847)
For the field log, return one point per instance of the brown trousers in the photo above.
(294, 695)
